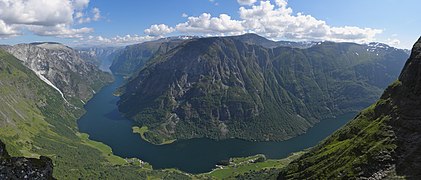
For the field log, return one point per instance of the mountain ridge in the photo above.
(220, 78)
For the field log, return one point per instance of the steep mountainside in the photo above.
(224, 88)
(382, 141)
(62, 68)
(35, 121)
(133, 57)
(24, 168)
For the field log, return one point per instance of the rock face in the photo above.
(24, 168)
(62, 68)
(383, 141)
(225, 88)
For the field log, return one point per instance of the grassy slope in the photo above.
(359, 149)
(34, 121)
(246, 166)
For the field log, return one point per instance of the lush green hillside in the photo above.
(225, 88)
(381, 142)
(35, 121)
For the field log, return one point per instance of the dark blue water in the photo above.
(104, 123)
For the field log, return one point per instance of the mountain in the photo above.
(133, 57)
(24, 168)
(251, 38)
(100, 56)
(224, 88)
(382, 141)
(62, 68)
(35, 121)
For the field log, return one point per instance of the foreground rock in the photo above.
(24, 168)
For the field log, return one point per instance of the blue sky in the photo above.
(111, 22)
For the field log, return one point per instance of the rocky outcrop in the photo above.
(24, 168)
(61, 67)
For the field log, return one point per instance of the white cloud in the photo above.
(7, 31)
(60, 30)
(281, 3)
(205, 23)
(246, 2)
(274, 20)
(184, 15)
(80, 4)
(56, 17)
(97, 14)
(214, 2)
(393, 42)
(115, 41)
(36, 12)
(83, 18)
(278, 21)
(159, 30)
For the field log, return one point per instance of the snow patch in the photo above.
(51, 84)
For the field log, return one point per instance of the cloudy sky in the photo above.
(121, 22)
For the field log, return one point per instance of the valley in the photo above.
(93, 136)
(104, 123)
